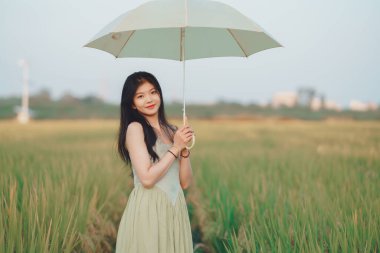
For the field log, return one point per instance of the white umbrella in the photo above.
(182, 30)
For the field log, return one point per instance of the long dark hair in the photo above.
(129, 115)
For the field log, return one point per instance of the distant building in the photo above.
(316, 104)
(284, 98)
(332, 105)
(359, 106)
(372, 106)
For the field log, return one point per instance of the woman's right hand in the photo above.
(182, 136)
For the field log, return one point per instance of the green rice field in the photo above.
(259, 186)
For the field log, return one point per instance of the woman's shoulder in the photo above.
(135, 127)
(135, 124)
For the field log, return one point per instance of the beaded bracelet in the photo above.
(186, 155)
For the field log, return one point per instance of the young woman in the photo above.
(156, 218)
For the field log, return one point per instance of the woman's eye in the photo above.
(154, 92)
(139, 96)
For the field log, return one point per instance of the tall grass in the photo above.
(260, 186)
(290, 187)
(62, 187)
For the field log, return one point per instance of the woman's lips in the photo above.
(150, 107)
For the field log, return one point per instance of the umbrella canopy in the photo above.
(182, 30)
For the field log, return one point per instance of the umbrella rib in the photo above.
(233, 36)
(125, 43)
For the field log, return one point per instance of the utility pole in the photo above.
(23, 116)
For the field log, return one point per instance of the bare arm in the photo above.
(185, 171)
(147, 172)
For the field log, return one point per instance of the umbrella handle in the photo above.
(192, 143)
(193, 138)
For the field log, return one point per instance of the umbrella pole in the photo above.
(184, 118)
(183, 92)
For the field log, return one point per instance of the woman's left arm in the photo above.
(185, 171)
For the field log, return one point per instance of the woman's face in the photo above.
(147, 99)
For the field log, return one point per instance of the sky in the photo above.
(329, 45)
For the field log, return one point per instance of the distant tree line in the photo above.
(68, 106)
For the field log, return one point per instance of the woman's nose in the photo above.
(148, 98)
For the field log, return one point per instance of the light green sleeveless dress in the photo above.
(156, 220)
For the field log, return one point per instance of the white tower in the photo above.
(23, 116)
